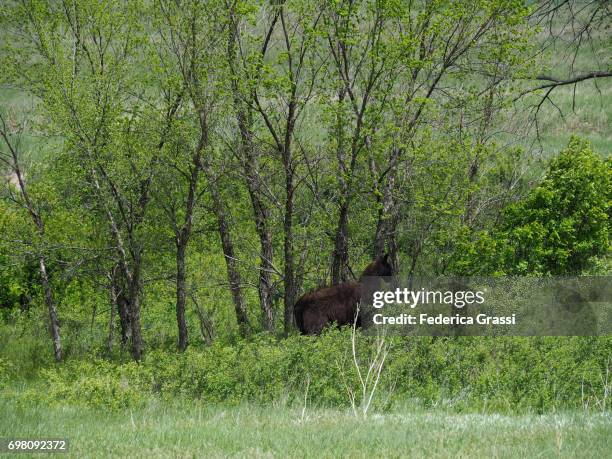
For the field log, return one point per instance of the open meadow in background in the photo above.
(175, 175)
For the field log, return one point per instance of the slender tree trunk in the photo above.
(135, 288)
(132, 277)
(113, 310)
(290, 281)
(250, 164)
(206, 328)
(379, 235)
(261, 215)
(413, 264)
(340, 259)
(488, 113)
(120, 304)
(384, 229)
(183, 236)
(230, 260)
(340, 262)
(137, 345)
(265, 268)
(182, 241)
(123, 307)
(42, 264)
(54, 323)
(266, 253)
(181, 294)
(470, 202)
(339, 265)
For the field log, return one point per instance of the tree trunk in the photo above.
(113, 310)
(42, 264)
(181, 293)
(120, 304)
(135, 287)
(206, 327)
(471, 199)
(261, 212)
(261, 215)
(230, 260)
(183, 235)
(340, 272)
(131, 277)
(265, 268)
(123, 307)
(53, 321)
(339, 264)
(135, 328)
(290, 284)
(384, 229)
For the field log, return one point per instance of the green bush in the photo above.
(465, 373)
(562, 226)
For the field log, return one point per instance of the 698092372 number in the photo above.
(16, 445)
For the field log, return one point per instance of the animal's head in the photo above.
(379, 268)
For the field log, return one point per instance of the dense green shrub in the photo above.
(467, 373)
(562, 226)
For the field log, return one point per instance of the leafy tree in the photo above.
(561, 227)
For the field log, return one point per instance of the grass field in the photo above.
(193, 430)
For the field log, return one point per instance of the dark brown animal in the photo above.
(337, 303)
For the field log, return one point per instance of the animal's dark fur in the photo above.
(337, 303)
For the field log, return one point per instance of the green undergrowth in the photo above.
(465, 374)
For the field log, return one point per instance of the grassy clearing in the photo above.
(588, 117)
(194, 430)
(583, 109)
